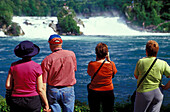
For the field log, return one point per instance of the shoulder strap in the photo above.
(112, 70)
(147, 72)
(97, 71)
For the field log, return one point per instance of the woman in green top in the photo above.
(149, 96)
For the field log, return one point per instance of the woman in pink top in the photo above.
(25, 81)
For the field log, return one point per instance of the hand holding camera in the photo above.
(108, 57)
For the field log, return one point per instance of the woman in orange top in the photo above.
(101, 88)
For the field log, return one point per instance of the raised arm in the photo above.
(108, 57)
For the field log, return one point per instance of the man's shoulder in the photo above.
(47, 57)
(68, 52)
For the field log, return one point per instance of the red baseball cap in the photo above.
(55, 39)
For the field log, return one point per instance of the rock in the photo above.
(14, 30)
(53, 26)
(27, 23)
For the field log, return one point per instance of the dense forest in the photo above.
(154, 13)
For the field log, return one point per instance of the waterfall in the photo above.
(113, 26)
(107, 26)
(38, 27)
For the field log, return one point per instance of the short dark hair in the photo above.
(101, 50)
(152, 48)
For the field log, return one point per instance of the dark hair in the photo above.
(152, 48)
(101, 50)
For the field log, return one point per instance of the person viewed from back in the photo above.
(101, 87)
(25, 81)
(149, 96)
(59, 74)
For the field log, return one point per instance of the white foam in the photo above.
(113, 26)
(39, 28)
(108, 26)
(2, 34)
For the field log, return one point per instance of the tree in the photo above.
(155, 18)
(6, 13)
(33, 9)
(67, 23)
(17, 9)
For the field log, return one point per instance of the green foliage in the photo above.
(152, 12)
(51, 7)
(83, 107)
(155, 18)
(67, 23)
(6, 13)
(165, 16)
(3, 106)
(165, 108)
(13, 30)
(164, 27)
(62, 13)
(123, 107)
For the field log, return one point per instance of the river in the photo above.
(126, 46)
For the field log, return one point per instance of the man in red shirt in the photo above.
(59, 74)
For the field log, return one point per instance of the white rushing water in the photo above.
(39, 27)
(112, 26)
(107, 26)
(2, 34)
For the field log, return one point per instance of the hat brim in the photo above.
(33, 53)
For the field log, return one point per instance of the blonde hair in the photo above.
(152, 48)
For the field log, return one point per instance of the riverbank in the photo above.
(83, 107)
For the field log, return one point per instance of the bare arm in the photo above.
(42, 93)
(44, 86)
(167, 86)
(8, 84)
(108, 57)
